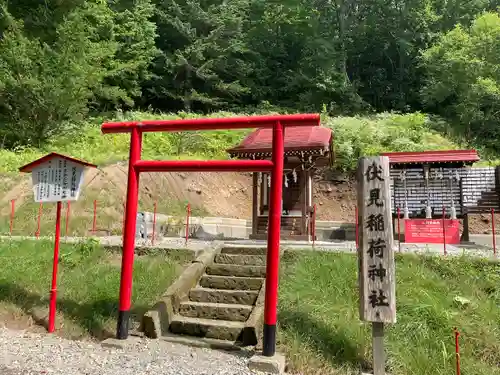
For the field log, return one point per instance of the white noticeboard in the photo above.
(57, 180)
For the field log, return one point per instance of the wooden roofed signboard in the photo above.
(56, 177)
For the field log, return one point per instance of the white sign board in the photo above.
(57, 179)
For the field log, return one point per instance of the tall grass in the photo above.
(88, 284)
(322, 334)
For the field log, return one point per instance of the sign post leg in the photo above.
(129, 237)
(53, 289)
(273, 243)
(378, 348)
(40, 207)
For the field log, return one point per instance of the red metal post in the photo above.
(457, 351)
(129, 236)
(53, 289)
(273, 242)
(203, 165)
(154, 224)
(314, 225)
(123, 219)
(188, 213)
(12, 210)
(356, 226)
(444, 230)
(40, 208)
(494, 234)
(267, 121)
(94, 221)
(399, 230)
(68, 209)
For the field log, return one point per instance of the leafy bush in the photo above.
(360, 136)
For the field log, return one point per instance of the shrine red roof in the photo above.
(29, 167)
(429, 157)
(296, 139)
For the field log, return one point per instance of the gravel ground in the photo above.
(25, 353)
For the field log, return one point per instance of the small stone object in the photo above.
(114, 343)
(271, 365)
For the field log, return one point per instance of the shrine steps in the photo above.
(224, 303)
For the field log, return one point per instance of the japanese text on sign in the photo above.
(56, 180)
(375, 252)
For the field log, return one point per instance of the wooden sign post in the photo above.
(377, 286)
(56, 178)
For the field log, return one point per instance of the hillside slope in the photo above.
(209, 194)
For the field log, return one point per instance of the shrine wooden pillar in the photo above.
(255, 203)
(304, 201)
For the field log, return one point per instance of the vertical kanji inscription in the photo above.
(375, 252)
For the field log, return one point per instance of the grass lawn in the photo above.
(88, 286)
(321, 332)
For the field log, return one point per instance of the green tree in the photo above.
(44, 89)
(463, 79)
(298, 51)
(202, 64)
(129, 67)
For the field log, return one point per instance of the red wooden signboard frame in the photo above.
(136, 166)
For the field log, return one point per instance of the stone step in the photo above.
(217, 311)
(231, 282)
(241, 297)
(236, 270)
(215, 329)
(243, 250)
(246, 260)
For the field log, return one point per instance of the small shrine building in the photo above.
(306, 149)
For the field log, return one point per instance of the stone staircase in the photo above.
(226, 302)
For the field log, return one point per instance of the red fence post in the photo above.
(444, 231)
(399, 230)
(40, 208)
(457, 351)
(154, 224)
(68, 208)
(356, 229)
(314, 225)
(53, 289)
(94, 221)
(494, 234)
(12, 210)
(188, 212)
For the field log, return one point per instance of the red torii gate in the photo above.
(136, 166)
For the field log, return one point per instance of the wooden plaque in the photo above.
(377, 283)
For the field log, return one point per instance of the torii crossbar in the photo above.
(136, 128)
